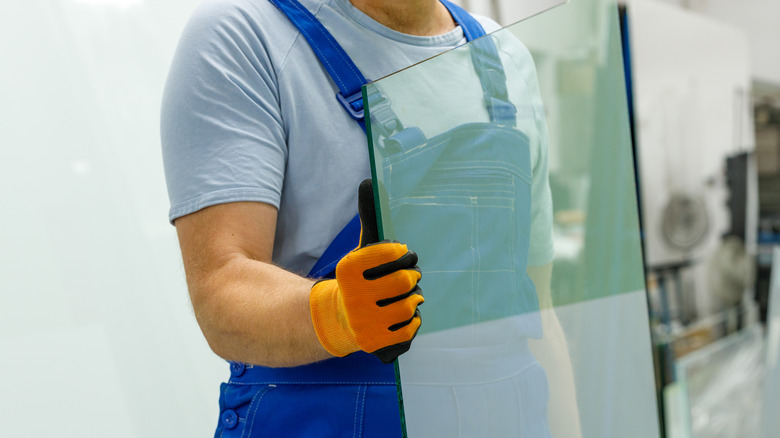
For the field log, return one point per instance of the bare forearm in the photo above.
(248, 309)
(258, 313)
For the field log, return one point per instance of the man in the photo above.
(262, 165)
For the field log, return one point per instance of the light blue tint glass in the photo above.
(506, 165)
(771, 391)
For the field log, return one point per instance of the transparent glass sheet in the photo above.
(506, 164)
(719, 387)
(771, 394)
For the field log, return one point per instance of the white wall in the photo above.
(97, 336)
(759, 19)
(691, 85)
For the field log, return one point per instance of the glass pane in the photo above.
(718, 385)
(771, 398)
(506, 165)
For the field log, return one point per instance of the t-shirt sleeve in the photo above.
(222, 135)
(541, 247)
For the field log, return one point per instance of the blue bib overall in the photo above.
(353, 396)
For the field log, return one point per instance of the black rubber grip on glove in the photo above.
(388, 301)
(391, 353)
(406, 261)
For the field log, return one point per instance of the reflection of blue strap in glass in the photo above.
(488, 66)
(350, 80)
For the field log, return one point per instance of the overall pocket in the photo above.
(462, 201)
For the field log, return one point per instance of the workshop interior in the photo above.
(662, 119)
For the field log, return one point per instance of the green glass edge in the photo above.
(381, 235)
(372, 161)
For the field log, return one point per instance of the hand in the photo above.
(372, 303)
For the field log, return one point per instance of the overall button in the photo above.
(237, 369)
(229, 419)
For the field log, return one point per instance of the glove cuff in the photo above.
(329, 319)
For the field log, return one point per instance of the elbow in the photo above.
(218, 346)
(214, 333)
(231, 328)
(226, 338)
(218, 323)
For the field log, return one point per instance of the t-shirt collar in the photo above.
(450, 38)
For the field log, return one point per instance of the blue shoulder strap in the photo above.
(349, 80)
(340, 67)
(335, 60)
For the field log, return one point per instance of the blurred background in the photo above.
(97, 336)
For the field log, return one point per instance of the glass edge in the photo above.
(381, 235)
(399, 392)
(620, 21)
(372, 161)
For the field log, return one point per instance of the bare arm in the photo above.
(552, 352)
(248, 309)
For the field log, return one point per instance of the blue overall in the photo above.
(353, 396)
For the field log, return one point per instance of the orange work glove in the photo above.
(371, 305)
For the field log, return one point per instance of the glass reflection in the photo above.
(506, 165)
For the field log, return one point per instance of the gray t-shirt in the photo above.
(250, 114)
